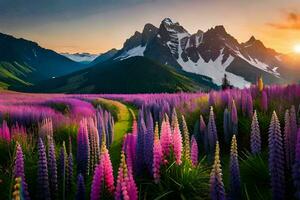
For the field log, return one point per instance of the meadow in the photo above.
(230, 144)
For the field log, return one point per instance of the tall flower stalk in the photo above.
(235, 182)
(19, 171)
(126, 188)
(194, 151)
(217, 191)
(212, 133)
(255, 139)
(52, 166)
(157, 155)
(276, 159)
(42, 190)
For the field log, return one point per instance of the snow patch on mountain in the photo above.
(256, 63)
(81, 57)
(136, 51)
(214, 69)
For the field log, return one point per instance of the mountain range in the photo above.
(84, 58)
(159, 59)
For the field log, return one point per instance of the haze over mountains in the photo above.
(179, 60)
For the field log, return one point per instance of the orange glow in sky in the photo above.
(275, 22)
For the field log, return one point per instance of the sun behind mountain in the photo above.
(297, 48)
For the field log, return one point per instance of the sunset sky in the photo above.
(99, 25)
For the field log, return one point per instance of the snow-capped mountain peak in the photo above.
(212, 53)
(81, 57)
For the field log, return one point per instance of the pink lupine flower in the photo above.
(5, 133)
(166, 137)
(126, 188)
(177, 143)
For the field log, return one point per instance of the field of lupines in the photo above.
(233, 144)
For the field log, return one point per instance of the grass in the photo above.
(124, 115)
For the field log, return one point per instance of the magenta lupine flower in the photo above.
(19, 171)
(194, 151)
(234, 118)
(177, 142)
(108, 170)
(103, 175)
(212, 133)
(5, 131)
(97, 182)
(296, 167)
(288, 144)
(126, 188)
(80, 194)
(42, 190)
(166, 137)
(157, 155)
(264, 101)
(255, 139)
(235, 182)
(83, 149)
(52, 166)
(217, 191)
(276, 159)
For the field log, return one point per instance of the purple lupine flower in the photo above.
(227, 126)
(217, 191)
(211, 133)
(69, 181)
(149, 138)
(255, 139)
(140, 159)
(203, 133)
(186, 140)
(80, 194)
(276, 159)
(294, 129)
(42, 190)
(288, 144)
(234, 118)
(83, 149)
(63, 171)
(19, 171)
(235, 182)
(52, 166)
(264, 101)
(249, 105)
(296, 167)
(194, 151)
(157, 155)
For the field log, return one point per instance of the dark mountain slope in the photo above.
(25, 62)
(133, 75)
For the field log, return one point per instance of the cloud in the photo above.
(291, 21)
